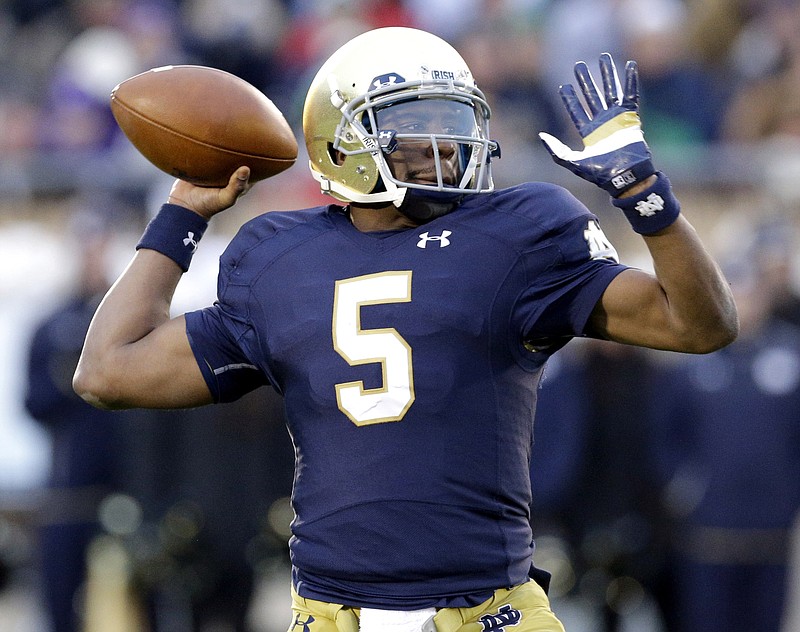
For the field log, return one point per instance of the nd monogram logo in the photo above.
(301, 624)
(652, 205)
(442, 239)
(498, 622)
(599, 246)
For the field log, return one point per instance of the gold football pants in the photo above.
(524, 608)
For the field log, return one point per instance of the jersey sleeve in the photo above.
(223, 336)
(228, 372)
(559, 299)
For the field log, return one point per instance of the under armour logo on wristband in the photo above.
(190, 240)
(650, 206)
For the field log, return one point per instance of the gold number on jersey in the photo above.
(367, 346)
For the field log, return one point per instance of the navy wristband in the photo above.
(174, 232)
(653, 209)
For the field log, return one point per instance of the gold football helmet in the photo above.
(387, 89)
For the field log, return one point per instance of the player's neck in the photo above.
(369, 219)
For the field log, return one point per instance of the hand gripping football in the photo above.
(200, 124)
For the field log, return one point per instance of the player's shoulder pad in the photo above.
(527, 210)
(271, 227)
(549, 204)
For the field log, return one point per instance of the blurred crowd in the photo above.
(664, 495)
(715, 72)
(671, 482)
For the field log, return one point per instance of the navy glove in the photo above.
(615, 154)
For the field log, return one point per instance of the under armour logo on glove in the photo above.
(650, 206)
(190, 240)
(623, 180)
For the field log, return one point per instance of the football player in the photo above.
(407, 325)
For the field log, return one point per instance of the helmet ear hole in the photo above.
(380, 187)
(337, 157)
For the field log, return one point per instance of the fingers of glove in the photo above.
(589, 88)
(608, 72)
(574, 108)
(630, 97)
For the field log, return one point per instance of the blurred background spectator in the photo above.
(202, 517)
(596, 512)
(726, 441)
(85, 440)
(719, 104)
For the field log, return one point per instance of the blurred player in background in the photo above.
(408, 327)
(85, 440)
(727, 445)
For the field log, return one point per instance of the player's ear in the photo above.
(338, 157)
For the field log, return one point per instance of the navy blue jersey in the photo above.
(409, 362)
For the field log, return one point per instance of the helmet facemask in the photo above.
(429, 137)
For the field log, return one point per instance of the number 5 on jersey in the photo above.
(367, 346)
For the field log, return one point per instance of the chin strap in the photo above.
(424, 206)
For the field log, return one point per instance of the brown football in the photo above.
(200, 124)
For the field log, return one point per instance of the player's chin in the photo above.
(431, 179)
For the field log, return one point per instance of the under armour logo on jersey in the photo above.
(498, 622)
(443, 240)
(386, 80)
(652, 205)
(190, 240)
(599, 245)
(301, 625)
